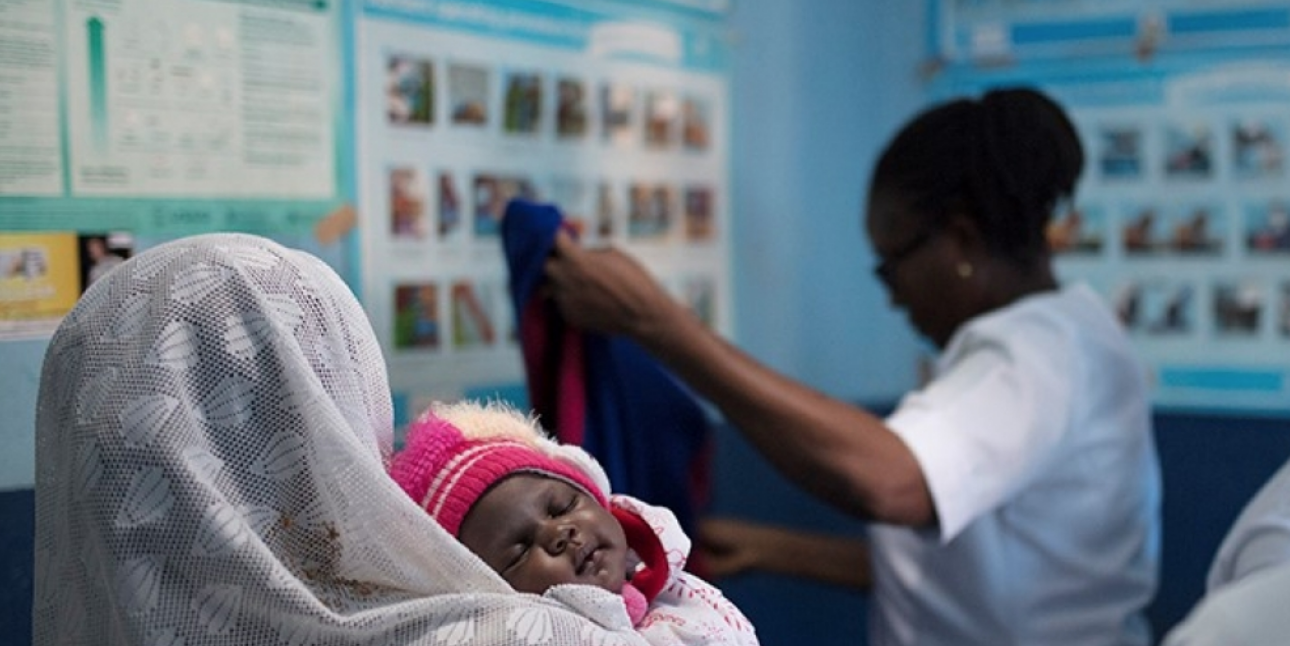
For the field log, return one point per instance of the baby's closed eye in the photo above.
(558, 509)
(517, 552)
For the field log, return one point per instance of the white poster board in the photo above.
(617, 113)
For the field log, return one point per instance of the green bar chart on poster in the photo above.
(132, 122)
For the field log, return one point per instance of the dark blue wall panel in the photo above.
(1211, 467)
(17, 526)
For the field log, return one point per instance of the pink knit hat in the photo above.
(455, 452)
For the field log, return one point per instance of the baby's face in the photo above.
(538, 532)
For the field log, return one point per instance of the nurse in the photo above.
(1015, 498)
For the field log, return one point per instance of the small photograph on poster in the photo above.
(1119, 155)
(1126, 298)
(473, 314)
(492, 193)
(569, 194)
(101, 252)
(505, 320)
(1156, 307)
(1140, 231)
(700, 219)
(417, 323)
(468, 94)
(1258, 148)
(617, 103)
(1267, 227)
(607, 211)
(1195, 229)
(695, 120)
(699, 293)
(571, 108)
(31, 263)
(1081, 230)
(408, 197)
(661, 112)
(1189, 151)
(522, 103)
(1283, 311)
(450, 207)
(1237, 307)
(650, 211)
(409, 93)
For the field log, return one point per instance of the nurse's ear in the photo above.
(967, 242)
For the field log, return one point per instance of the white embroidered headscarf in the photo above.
(213, 424)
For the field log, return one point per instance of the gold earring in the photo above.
(964, 270)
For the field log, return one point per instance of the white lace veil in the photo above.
(212, 429)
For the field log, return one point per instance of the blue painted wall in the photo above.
(19, 376)
(817, 89)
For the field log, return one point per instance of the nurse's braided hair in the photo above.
(1006, 160)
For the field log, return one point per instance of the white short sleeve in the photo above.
(991, 419)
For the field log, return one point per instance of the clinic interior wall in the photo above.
(816, 89)
(815, 95)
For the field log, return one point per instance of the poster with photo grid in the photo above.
(619, 121)
(1183, 222)
(1182, 218)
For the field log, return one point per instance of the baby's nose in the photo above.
(559, 536)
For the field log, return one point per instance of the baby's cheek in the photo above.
(524, 581)
(539, 574)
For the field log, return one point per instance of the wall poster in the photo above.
(615, 112)
(1182, 219)
(131, 122)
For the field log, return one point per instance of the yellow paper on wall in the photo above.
(39, 282)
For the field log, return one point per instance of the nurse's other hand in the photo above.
(729, 547)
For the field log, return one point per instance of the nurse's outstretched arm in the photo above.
(839, 452)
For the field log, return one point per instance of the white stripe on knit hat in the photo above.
(457, 468)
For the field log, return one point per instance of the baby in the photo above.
(539, 514)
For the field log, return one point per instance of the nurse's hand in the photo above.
(606, 290)
(733, 546)
(729, 547)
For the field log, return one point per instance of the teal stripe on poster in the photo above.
(1061, 32)
(1213, 22)
(1229, 380)
(401, 401)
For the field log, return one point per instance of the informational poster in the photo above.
(1182, 219)
(155, 119)
(616, 112)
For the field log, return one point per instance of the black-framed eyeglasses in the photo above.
(885, 270)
